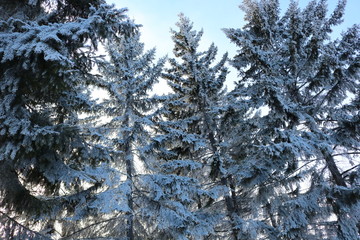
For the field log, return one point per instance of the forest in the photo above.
(90, 150)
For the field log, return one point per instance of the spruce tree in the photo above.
(47, 158)
(188, 142)
(294, 82)
(128, 78)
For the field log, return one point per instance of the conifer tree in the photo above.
(188, 142)
(128, 77)
(46, 155)
(294, 82)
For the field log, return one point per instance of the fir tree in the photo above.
(45, 154)
(128, 77)
(188, 142)
(56, 10)
(294, 82)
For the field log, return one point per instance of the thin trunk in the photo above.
(233, 194)
(334, 170)
(271, 215)
(339, 180)
(129, 174)
(130, 218)
(231, 209)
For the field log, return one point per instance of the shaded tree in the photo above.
(46, 153)
(188, 141)
(294, 82)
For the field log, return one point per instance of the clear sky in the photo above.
(158, 16)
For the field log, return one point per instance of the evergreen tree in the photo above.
(276, 158)
(128, 77)
(188, 142)
(54, 10)
(294, 83)
(46, 155)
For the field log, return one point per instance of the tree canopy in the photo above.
(89, 150)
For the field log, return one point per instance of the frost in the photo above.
(115, 199)
(267, 160)
(180, 165)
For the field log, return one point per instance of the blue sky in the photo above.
(158, 16)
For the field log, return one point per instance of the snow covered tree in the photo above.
(128, 77)
(38, 9)
(49, 167)
(296, 126)
(188, 140)
(197, 89)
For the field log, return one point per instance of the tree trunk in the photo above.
(129, 176)
(334, 170)
(231, 208)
